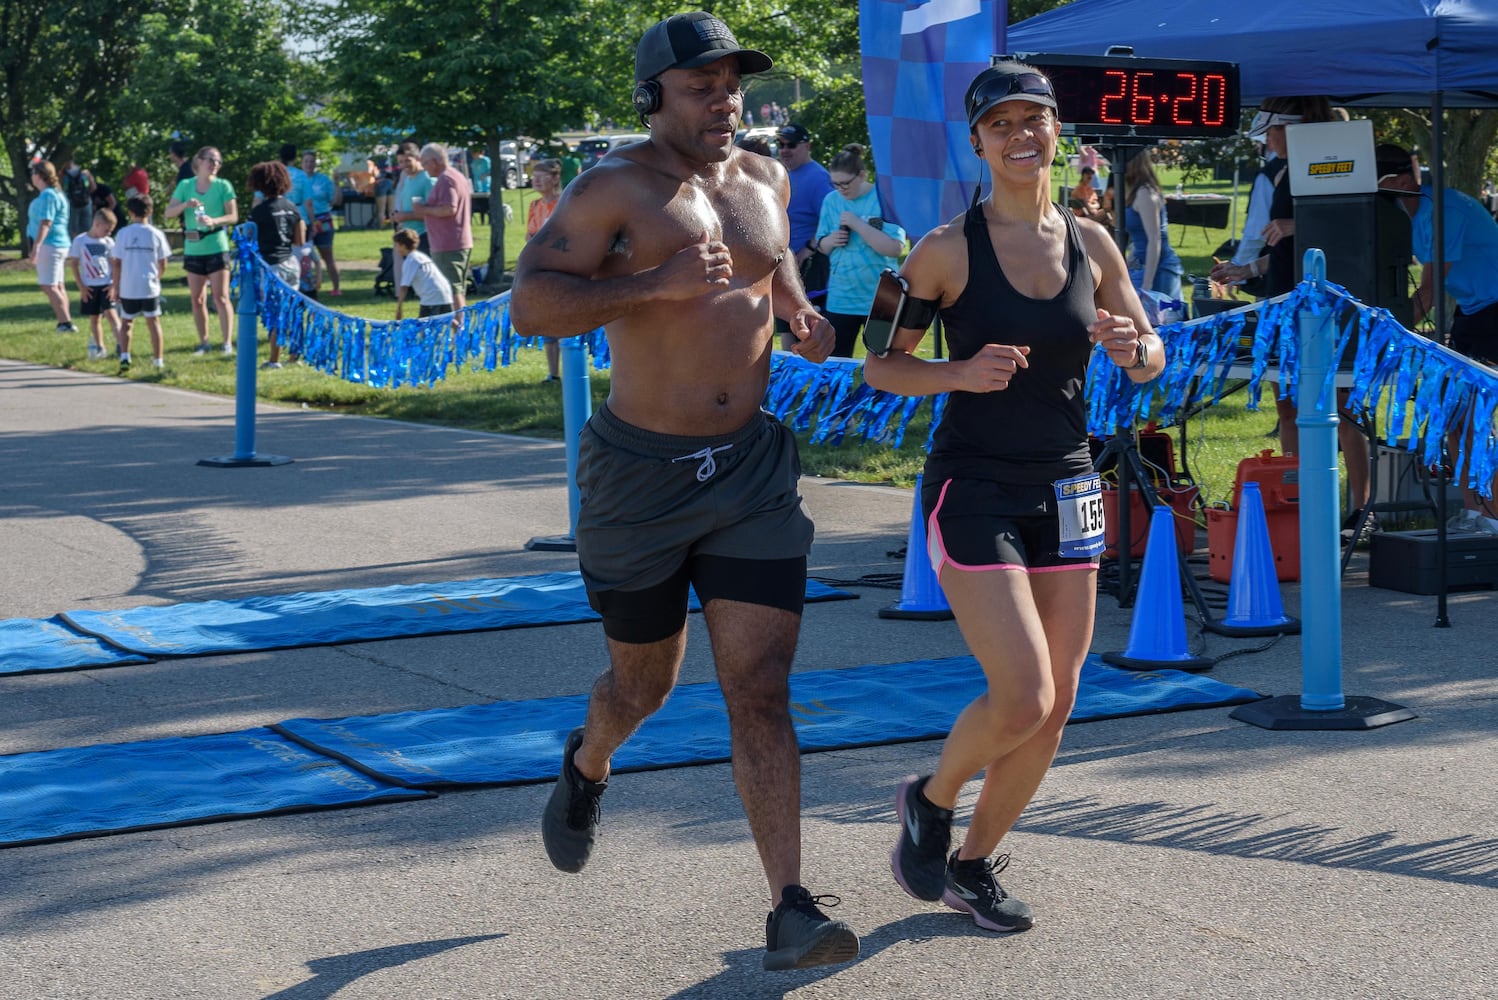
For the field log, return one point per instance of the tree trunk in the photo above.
(1468, 137)
(498, 278)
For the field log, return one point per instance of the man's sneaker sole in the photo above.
(938, 886)
(835, 942)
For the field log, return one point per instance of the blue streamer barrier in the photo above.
(511, 742)
(380, 353)
(1448, 392)
(115, 788)
(32, 645)
(335, 616)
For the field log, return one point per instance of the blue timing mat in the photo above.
(28, 645)
(326, 617)
(512, 742)
(114, 788)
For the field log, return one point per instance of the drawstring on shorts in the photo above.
(709, 464)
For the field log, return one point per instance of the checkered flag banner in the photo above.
(918, 58)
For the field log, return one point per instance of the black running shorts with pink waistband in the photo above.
(976, 524)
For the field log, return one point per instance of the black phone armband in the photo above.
(917, 313)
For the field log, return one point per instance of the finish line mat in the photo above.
(120, 787)
(512, 742)
(28, 645)
(307, 764)
(326, 617)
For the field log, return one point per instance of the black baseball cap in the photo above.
(793, 135)
(1006, 81)
(1391, 159)
(686, 41)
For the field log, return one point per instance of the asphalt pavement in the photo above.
(1184, 855)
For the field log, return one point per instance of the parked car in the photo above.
(767, 132)
(593, 148)
(514, 163)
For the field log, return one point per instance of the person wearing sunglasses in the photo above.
(810, 185)
(1026, 292)
(208, 209)
(859, 245)
(1470, 245)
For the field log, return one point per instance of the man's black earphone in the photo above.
(647, 97)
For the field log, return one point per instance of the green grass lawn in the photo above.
(513, 399)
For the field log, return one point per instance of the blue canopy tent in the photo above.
(1367, 53)
(1373, 53)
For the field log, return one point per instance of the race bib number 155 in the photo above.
(1079, 512)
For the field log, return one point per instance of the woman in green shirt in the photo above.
(208, 209)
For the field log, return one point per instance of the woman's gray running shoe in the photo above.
(799, 936)
(919, 861)
(972, 888)
(569, 826)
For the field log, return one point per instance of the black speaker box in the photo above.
(1406, 561)
(1366, 240)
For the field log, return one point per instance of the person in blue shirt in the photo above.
(1153, 263)
(1470, 247)
(319, 197)
(47, 228)
(810, 186)
(859, 243)
(479, 167)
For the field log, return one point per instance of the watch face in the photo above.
(1124, 96)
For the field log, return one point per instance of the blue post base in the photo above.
(552, 543)
(1286, 713)
(253, 461)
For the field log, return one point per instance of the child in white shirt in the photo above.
(140, 257)
(89, 259)
(418, 272)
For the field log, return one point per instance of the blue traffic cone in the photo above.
(1254, 606)
(1157, 636)
(921, 598)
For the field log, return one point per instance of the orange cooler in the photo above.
(1278, 477)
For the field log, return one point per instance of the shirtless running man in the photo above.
(677, 245)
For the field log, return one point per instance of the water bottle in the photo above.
(202, 218)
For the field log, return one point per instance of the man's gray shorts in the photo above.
(648, 502)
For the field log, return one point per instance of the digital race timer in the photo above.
(1125, 96)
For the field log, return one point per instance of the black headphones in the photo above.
(647, 97)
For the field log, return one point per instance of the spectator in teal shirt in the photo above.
(479, 166)
(320, 196)
(414, 183)
(47, 227)
(858, 243)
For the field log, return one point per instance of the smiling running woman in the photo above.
(1012, 504)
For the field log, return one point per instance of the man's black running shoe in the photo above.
(799, 936)
(972, 888)
(919, 861)
(569, 826)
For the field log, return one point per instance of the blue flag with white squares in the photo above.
(918, 58)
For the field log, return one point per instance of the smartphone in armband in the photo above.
(884, 315)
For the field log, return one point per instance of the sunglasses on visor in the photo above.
(997, 88)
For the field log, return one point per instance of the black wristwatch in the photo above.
(1144, 355)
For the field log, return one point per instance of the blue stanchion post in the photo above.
(247, 335)
(1320, 524)
(577, 407)
(1321, 704)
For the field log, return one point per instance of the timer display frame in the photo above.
(1134, 97)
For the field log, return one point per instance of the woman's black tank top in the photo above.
(1034, 431)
